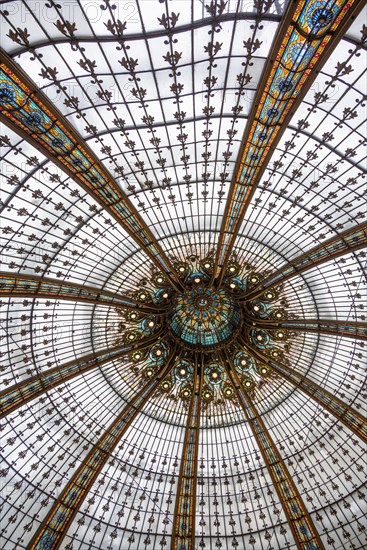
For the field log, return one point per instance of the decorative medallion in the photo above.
(211, 327)
(204, 318)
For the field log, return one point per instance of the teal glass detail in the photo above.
(204, 317)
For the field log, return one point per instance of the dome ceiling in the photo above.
(183, 280)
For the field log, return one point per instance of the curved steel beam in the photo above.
(197, 24)
(19, 394)
(302, 526)
(131, 37)
(54, 527)
(17, 285)
(347, 329)
(350, 240)
(299, 51)
(183, 530)
(29, 113)
(352, 419)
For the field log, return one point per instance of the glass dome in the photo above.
(183, 274)
(203, 318)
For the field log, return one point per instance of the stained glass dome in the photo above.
(183, 274)
(204, 317)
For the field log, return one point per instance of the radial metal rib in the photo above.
(57, 522)
(183, 534)
(300, 49)
(27, 111)
(349, 241)
(17, 285)
(352, 419)
(302, 526)
(346, 329)
(18, 395)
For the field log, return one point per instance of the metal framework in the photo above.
(29, 113)
(299, 51)
(347, 329)
(352, 419)
(303, 529)
(27, 286)
(54, 527)
(349, 241)
(298, 54)
(183, 533)
(18, 395)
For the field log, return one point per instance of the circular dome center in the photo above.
(203, 318)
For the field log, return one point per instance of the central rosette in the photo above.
(204, 318)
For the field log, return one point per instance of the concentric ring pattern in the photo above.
(204, 317)
(183, 275)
